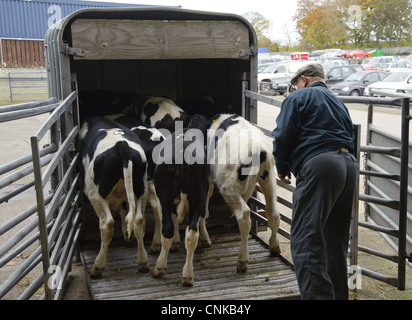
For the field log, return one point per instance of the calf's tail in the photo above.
(125, 155)
(183, 206)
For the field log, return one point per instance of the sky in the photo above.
(278, 12)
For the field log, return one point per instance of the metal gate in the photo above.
(27, 86)
(386, 189)
(56, 187)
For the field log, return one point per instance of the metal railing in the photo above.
(57, 194)
(26, 86)
(371, 171)
(386, 187)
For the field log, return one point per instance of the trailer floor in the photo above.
(215, 274)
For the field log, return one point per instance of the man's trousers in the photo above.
(322, 206)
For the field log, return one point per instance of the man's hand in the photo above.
(285, 178)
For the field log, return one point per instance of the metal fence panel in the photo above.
(58, 216)
(382, 215)
(27, 86)
(387, 194)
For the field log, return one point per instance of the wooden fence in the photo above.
(18, 53)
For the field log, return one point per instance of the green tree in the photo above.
(261, 26)
(356, 23)
(336, 22)
(398, 14)
(259, 23)
(305, 22)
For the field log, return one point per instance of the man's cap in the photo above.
(309, 70)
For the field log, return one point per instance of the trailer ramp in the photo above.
(214, 270)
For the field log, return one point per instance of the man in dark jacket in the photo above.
(314, 140)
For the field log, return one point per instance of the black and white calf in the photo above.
(182, 173)
(158, 112)
(114, 169)
(239, 156)
(150, 138)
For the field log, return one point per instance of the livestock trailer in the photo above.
(182, 55)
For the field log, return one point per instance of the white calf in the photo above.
(114, 171)
(240, 156)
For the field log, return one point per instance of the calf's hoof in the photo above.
(204, 244)
(158, 272)
(275, 251)
(143, 267)
(241, 266)
(96, 272)
(187, 281)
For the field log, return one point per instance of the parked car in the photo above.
(340, 73)
(408, 58)
(331, 54)
(355, 84)
(384, 59)
(372, 66)
(358, 54)
(332, 63)
(395, 66)
(378, 60)
(263, 66)
(366, 61)
(395, 82)
(343, 54)
(276, 78)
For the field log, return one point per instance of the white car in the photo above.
(395, 66)
(276, 77)
(333, 63)
(383, 59)
(395, 82)
(263, 66)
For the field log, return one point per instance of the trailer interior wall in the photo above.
(175, 79)
(179, 54)
(174, 53)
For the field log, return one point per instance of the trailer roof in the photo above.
(150, 13)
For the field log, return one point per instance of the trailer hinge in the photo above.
(73, 51)
(251, 51)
